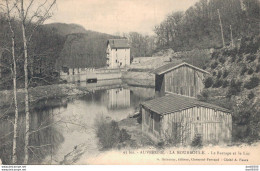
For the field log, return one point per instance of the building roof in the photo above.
(174, 102)
(173, 65)
(118, 43)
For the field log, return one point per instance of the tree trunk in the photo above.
(231, 37)
(14, 75)
(14, 159)
(27, 114)
(221, 28)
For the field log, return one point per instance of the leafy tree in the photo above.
(198, 26)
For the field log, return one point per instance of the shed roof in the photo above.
(173, 65)
(118, 43)
(174, 102)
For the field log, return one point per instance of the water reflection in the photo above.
(44, 138)
(117, 98)
(58, 125)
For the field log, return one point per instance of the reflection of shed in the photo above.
(180, 78)
(179, 119)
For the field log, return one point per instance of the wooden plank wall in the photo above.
(184, 80)
(149, 122)
(214, 126)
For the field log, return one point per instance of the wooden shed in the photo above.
(180, 78)
(178, 119)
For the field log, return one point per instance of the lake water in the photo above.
(59, 125)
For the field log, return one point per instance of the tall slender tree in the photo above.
(37, 17)
(14, 77)
(221, 29)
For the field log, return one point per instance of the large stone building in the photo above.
(118, 53)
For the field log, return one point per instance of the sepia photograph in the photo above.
(129, 82)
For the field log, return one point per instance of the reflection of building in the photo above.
(118, 53)
(179, 119)
(118, 98)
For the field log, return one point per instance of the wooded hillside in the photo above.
(199, 26)
(82, 48)
(52, 46)
(235, 84)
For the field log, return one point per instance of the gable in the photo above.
(174, 65)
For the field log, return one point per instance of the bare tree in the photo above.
(7, 10)
(35, 17)
(221, 28)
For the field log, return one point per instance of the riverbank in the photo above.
(140, 79)
(42, 92)
(80, 153)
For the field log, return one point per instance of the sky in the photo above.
(117, 16)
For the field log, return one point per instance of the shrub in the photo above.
(124, 136)
(205, 94)
(225, 83)
(225, 74)
(251, 58)
(251, 95)
(215, 55)
(214, 73)
(239, 58)
(257, 68)
(252, 47)
(219, 74)
(222, 60)
(214, 65)
(109, 133)
(230, 52)
(204, 67)
(233, 59)
(244, 70)
(208, 82)
(218, 83)
(250, 71)
(252, 83)
(197, 141)
(242, 48)
(234, 88)
(246, 122)
(233, 52)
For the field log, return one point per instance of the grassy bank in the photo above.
(143, 79)
(41, 92)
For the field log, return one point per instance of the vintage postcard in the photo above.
(129, 82)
